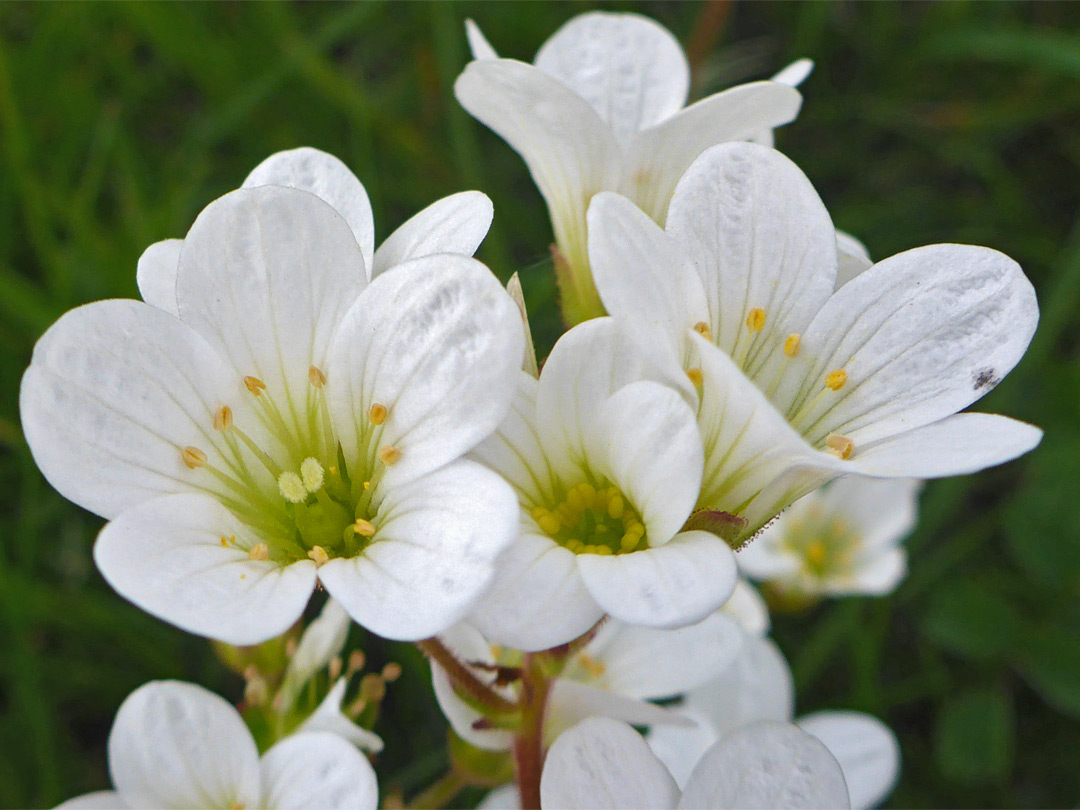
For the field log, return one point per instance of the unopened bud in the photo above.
(356, 661)
(391, 672)
(372, 688)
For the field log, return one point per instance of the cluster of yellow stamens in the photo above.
(592, 521)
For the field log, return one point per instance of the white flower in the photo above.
(758, 687)
(611, 676)
(603, 763)
(294, 424)
(178, 745)
(606, 466)
(602, 109)
(867, 378)
(841, 539)
(322, 640)
(455, 224)
(329, 717)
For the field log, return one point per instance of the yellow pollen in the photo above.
(695, 375)
(254, 385)
(228, 541)
(835, 379)
(259, 551)
(839, 446)
(193, 457)
(223, 418)
(702, 329)
(365, 528)
(316, 377)
(319, 555)
(311, 473)
(292, 487)
(815, 553)
(791, 345)
(367, 485)
(389, 454)
(591, 665)
(377, 414)
(550, 522)
(755, 319)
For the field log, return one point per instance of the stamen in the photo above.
(391, 672)
(311, 473)
(316, 377)
(228, 541)
(755, 319)
(835, 379)
(292, 487)
(319, 556)
(377, 414)
(364, 528)
(193, 457)
(223, 418)
(389, 454)
(815, 553)
(254, 385)
(792, 344)
(696, 377)
(259, 551)
(839, 446)
(594, 667)
(615, 507)
(702, 329)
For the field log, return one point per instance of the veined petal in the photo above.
(433, 553)
(455, 224)
(156, 274)
(866, 749)
(672, 585)
(604, 764)
(115, 392)
(659, 156)
(265, 275)
(852, 256)
(478, 44)
(537, 599)
(98, 800)
(178, 745)
(317, 770)
(184, 558)
(438, 344)
(571, 702)
(330, 180)
(629, 68)
(769, 764)
(329, 717)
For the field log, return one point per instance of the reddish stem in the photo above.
(464, 678)
(529, 739)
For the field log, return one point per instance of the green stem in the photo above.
(439, 794)
(529, 739)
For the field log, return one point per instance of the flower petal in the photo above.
(156, 274)
(672, 585)
(629, 68)
(875, 575)
(176, 744)
(433, 554)
(747, 607)
(794, 74)
(478, 44)
(322, 640)
(768, 765)
(167, 556)
(680, 747)
(329, 717)
(503, 798)
(454, 224)
(852, 256)
(317, 770)
(327, 178)
(866, 749)
(881, 511)
(604, 764)
(437, 343)
(537, 599)
(571, 702)
(99, 800)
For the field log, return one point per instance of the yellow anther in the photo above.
(193, 457)
(292, 487)
(839, 446)
(695, 375)
(575, 545)
(576, 499)
(550, 523)
(316, 377)
(367, 485)
(364, 528)
(372, 688)
(594, 667)
(356, 661)
(792, 344)
(228, 541)
(311, 473)
(815, 553)
(538, 512)
(615, 506)
(259, 551)
(223, 418)
(835, 379)
(629, 541)
(702, 329)
(588, 494)
(254, 385)
(755, 319)
(335, 668)
(318, 555)
(377, 414)
(389, 454)
(603, 551)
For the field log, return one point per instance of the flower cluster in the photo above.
(290, 407)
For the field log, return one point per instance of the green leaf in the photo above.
(970, 619)
(1050, 662)
(974, 738)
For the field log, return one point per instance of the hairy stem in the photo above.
(529, 739)
(464, 678)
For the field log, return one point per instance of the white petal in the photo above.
(156, 274)
(629, 68)
(99, 800)
(866, 749)
(680, 747)
(747, 607)
(768, 765)
(661, 155)
(672, 585)
(329, 717)
(881, 511)
(504, 798)
(604, 764)
(957, 445)
(265, 275)
(317, 770)
(454, 224)
(852, 256)
(920, 335)
(178, 745)
(115, 391)
(433, 553)
(328, 179)
(761, 239)
(571, 702)
(167, 557)
(437, 343)
(478, 44)
(767, 556)
(794, 74)
(528, 362)
(537, 599)
(323, 639)
(876, 575)
(757, 686)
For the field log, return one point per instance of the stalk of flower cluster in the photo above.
(529, 738)
(463, 678)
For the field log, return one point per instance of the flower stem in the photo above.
(439, 794)
(463, 678)
(529, 739)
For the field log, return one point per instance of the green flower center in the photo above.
(825, 543)
(593, 520)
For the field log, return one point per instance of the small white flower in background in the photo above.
(841, 539)
(607, 467)
(178, 745)
(602, 108)
(293, 424)
(603, 763)
(757, 687)
(614, 675)
(865, 379)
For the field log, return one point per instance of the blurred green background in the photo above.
(922, 123)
